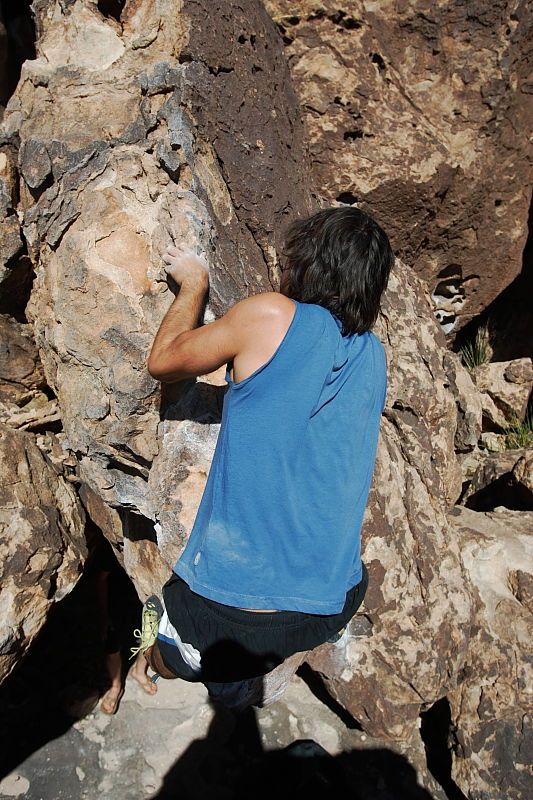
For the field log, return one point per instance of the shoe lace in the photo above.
(148, 634)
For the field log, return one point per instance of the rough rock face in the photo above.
(491, 707)
(20, 367)
(425, 110)
(468, 402)
(15, 268)
(189, 143)
(505, 388)
(3, 63)
(412, 632)
(198, 137)
(501, 479)
(16, 44)
(133, 540)
(42, 547)
(24, 403)
(191, 148)
(168, 155)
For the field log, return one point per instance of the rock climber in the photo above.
(272, 567)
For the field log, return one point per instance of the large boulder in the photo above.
(201, 148)
(421, 113)
(42, 545)
(188, 143)
(491, 707)
(505, 388)
(198, 137)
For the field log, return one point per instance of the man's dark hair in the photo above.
(339, 258)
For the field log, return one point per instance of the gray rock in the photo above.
(505, 388)
(42, 547)
(491, 706)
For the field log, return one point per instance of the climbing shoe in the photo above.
(151, 614)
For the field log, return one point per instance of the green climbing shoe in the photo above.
(151, 614)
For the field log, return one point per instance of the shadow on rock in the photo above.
(237, 767)
(194, 400)
(62, 677)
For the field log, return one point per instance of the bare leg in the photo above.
(112, 697)
(113, 659)
(139, 672)
(151, 658)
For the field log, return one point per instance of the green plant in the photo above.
(477, 352)
(519, 433)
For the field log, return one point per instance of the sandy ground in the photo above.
(177, 744)
(56, 744)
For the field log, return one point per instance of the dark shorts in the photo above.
(237, 645)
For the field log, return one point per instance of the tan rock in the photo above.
(38, 413)
(491, 707)
(15, 267)
(42, 547)
(495, 442)
(468, 402)
(10, 244)
(20, 366)
(197, 146)
(56, 453)
(131, 136)
(134, 542)
(501, 479)
(505, 388)
(523, 473)
(24, 403)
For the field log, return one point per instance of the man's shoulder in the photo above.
(263, 304)
(259, 321)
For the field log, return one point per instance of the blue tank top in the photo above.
(279, 522)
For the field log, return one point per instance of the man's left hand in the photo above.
(188, 269)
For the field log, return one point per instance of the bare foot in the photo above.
(111, 699)
(139, 672)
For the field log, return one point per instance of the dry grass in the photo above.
(519, 433)
(477, 351)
